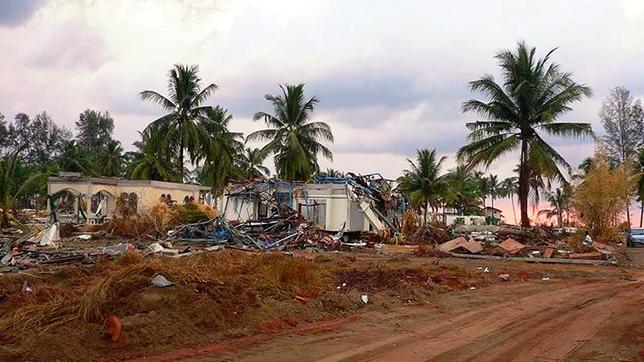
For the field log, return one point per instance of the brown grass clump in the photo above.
(92, 306)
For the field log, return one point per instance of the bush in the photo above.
(191, 213)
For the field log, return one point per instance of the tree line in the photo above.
(192, 141)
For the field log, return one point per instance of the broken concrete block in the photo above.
(511, 246)
(548, 252)
(461, 245)
(587, 256)
(604, 248)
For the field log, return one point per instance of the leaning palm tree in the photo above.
(182, 127)
(423, 182)
(534, 93)
(250, 164)
(293, 139)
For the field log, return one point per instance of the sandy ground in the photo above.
(235, 306)
(588, 319)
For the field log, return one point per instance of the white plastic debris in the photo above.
(7, 259)
(47, 236)
(26, 288)
(504, 277)
(486, 270)
(472, 288)
(155, 248)
(84, 237)
(545, 278)
(364, 298)
(160, 281)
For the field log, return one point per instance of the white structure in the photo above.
(333, 206)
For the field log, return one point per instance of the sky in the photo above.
(391, 76)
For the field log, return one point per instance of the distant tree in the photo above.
(463, 191)
(509, 189)
(559, 202)
(12, 185)
(532, 95)
(494, 187)
(250, 164)
(5, 141)
(293, 139)
(111, 160)
(44, 138)
(220, 150)
(623, 120)
(151, 161)
(640, 184)
(94, 129)
(182, 128)
(74, 159)
(423, 181)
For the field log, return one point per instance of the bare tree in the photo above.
(623, 120)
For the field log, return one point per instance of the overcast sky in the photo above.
(391, 75)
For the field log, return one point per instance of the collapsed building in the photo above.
(352, 203)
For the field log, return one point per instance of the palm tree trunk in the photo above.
(425, 214)
(641, 212)
(628, 215)
(5, 218)
(514, 211)
(524, 175)
(181, 158)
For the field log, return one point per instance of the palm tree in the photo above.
(423, 181)
(559, 202)
(220, 151)
(494, 187)
(250, 164)
(12, 186)
(534, 93)
(150, 161)
(183, 127)
(484, 185)
(111, 159)
(73, 158)
(509, 187)
(293, 139)
(463, 191)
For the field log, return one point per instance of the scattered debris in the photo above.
(364, 298)
(504, 277)
(113, 327)
(160, 281)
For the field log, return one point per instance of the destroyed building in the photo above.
(90, 200)
(353, 203)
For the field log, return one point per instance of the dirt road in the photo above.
(593, 320)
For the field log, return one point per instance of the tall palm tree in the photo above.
(250, 164)
(559, 202)
(111, 159)
(534, 93)
(182, 128)
(423, 182)
(220, 150)
(484, 185)
(293, 139)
